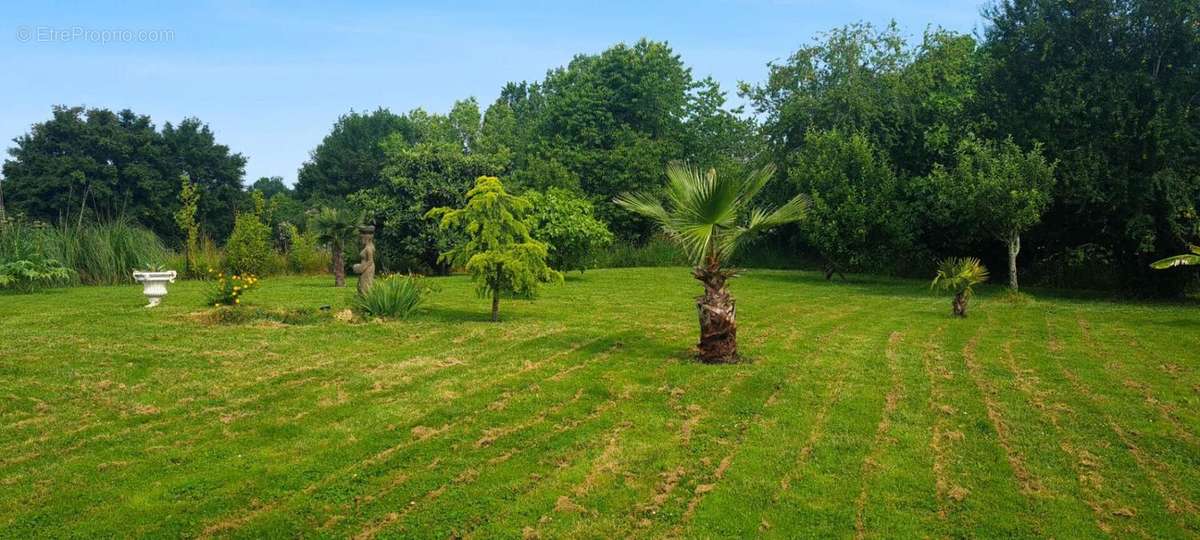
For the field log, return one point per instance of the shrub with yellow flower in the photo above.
(227, 290)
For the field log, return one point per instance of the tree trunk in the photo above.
(717, 313)
(495, 305)
(339, 266)
(960, 305)
(1014, 247)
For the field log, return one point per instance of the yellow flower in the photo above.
(237, 301)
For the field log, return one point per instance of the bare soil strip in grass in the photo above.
(681, 488)
(1087, 468)
(268, 389)
(383, 455)
(463, 478)
(939, 408)
(832, 394)
(468, 475)
(1159, 473)
(1030, 485)
(880, 443)
(200, 440)
(1173, 499)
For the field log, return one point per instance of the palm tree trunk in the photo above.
(717, 313)
(339, 266)
(960, 305)
(1014, 247)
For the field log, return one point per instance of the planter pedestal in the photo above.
(154, 285)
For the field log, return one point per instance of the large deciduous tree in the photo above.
(107, 165)
(503, 259)
(1110, 88)
(710, 217)
(1000, 189)
(351, 157)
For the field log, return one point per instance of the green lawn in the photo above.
(864, 409)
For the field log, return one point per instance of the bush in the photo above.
(227, 290)
(565, 222)
(27, 275)
(305, 255)
(249, 248)
(394, 297)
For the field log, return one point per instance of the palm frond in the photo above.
(960, 274)
(702, 209)
(1187, 259)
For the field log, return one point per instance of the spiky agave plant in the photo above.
(711, 219)
(1187, 259)
(960, 275)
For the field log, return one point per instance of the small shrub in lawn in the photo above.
(395, 297)
(227, 290)
(249, 247)
(28, 275)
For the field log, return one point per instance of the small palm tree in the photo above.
(1187, 259)
(960, 275)
(336, 227)
(711, 219)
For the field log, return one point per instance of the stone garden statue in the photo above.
(366, 265)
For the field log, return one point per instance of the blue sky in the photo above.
(271, 78)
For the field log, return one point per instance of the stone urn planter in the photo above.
(154, 285)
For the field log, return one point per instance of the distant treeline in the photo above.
(885, 135)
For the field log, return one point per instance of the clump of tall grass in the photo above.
(394, 297)
(657, 251)
(96, 253)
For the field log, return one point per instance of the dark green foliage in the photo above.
(270, 186)
(1109, 88)
(394, 297)
(350, 157)
(31, 273)
(565, 222)
(417, 179)
(855, 219)
(658, 250)
(106, 165)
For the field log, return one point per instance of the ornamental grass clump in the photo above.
(227, 290)
(395, 297)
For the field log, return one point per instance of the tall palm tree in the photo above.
(711, 219)
(336, 227)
